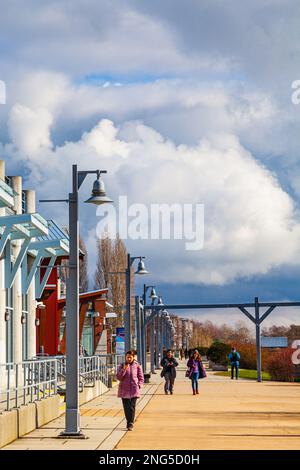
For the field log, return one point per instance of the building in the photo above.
(31, 299)
(24, 245)
(92, 323)
(32, 320)
(51, 308)
(19, 227)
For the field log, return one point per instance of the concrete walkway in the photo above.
(102, 422)
(225, 415)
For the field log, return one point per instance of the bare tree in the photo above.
(118, 281)
(207, 332)
(110, 273)
(104, 263)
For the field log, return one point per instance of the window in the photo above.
(24, 204)
(9, 325)
(62, 325)
(88, 336)
(24, 327)
(8, 180)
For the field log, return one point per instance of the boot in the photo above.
(194, 393)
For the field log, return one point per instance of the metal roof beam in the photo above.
(12, 269)
(45, 244)
(4, 238)
(27, 277)
(40, 284)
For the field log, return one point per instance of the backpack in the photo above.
(234, 357)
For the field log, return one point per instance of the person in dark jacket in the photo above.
(195, 370)
(169, 365)
(234, 358)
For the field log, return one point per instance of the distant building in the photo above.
(274, 342)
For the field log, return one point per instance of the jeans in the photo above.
(195, 378)
(169, 382)
(129, 409)
(236, 367)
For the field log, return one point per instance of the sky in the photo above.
(182, 103)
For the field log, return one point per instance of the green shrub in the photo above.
(218, 352)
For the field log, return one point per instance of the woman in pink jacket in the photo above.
(131, 377)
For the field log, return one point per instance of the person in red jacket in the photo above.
(131, 379)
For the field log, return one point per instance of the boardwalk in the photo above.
(225, 415)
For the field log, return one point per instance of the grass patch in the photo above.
(245, 374)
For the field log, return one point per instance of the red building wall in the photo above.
(47, 334)
(48, 330)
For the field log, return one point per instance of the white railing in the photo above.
(39, 378)
(111, 361)
(26, 382)
(91, 368)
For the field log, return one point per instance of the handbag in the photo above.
(187, 373)
(202, 373)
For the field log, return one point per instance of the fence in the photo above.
(29, 381)
(91, 368)
(111, 361)
(26, 382)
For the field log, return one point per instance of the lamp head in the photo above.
(153, 295)
(141, 268)
(98, 195)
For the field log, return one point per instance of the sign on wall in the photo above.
(120, 340)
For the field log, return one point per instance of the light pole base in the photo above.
(147, 378)
(67, 435)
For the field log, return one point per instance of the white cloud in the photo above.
(30, 130)
(281, 316)
(192, 136)
(98, 36)
(250, 222)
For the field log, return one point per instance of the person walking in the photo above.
(234, 358)
(169, 364)
(195, 370)
(131, 379)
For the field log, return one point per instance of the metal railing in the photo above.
(29, 381)
(91, 368)
(26, 382)
(8, 189)
(111, 361)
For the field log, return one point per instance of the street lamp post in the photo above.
(153, 297)
(140, 270)
(98, 196)
(159, 335)
(72, 298)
